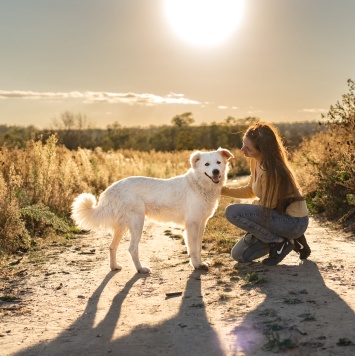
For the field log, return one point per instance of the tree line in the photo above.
(73, 132)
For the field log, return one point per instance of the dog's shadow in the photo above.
(187, 333)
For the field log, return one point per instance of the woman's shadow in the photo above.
(301, 317)
(187, 333)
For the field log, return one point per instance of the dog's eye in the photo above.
(207, 164)
(218, 162)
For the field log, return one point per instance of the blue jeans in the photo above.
(268, 228)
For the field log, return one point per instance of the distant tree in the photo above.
(185, 139)
(73, 130)
(183, 120)
(69, 121)
(163, 139)
(118, 135)
(16, 136)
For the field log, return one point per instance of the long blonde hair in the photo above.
(280, 177)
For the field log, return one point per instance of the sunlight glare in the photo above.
(204, 22)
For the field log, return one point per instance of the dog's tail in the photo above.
(86, 213)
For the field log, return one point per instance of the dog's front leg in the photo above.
(193, 243)
(201, 231)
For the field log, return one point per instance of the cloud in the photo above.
(225, 107)
(18, 94)
(90, 97)
(314, 111)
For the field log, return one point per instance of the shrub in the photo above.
(12, 228)
(326, 162)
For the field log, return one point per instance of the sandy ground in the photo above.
(69, 303)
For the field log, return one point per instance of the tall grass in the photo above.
(39, 182)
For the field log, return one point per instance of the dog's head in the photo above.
(213, 165)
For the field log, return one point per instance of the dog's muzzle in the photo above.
(216, 176)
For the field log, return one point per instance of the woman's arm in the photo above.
(244, 192)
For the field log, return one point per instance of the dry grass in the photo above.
(39, 182)
(326, 171)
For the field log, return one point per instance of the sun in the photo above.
(204, 22)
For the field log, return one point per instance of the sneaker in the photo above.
(302, 248)
(278, 251)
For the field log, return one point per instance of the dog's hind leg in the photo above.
(116, 238)
(135, 227)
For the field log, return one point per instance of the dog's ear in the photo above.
(194, 158)
(225, 153)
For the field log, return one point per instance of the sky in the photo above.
(132, 62)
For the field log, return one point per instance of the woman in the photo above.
(277, 219)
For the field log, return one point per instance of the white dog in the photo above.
(188, 200)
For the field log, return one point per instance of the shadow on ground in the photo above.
(172, 337)
(300, 315)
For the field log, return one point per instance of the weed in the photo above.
(275, 327)
(344, 342)
(292, 301)
(8, 298)
(252, 278)
(224, 297)
(307, 317)
(39, 215)
(268, 312)
(313, 344)
(276, 345)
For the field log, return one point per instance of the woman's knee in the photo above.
(232, 211)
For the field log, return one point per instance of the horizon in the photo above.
(130, 62)
(92, 126)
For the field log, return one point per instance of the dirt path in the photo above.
(69, 303)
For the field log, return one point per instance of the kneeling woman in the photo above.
(277, 219)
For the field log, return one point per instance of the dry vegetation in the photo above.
(38, 184)
(326, 164)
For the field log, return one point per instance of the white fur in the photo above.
(188, 200)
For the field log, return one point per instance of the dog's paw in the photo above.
(144, 270)
(116, 267)
(204, 265)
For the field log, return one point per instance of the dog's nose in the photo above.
(215, 172)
